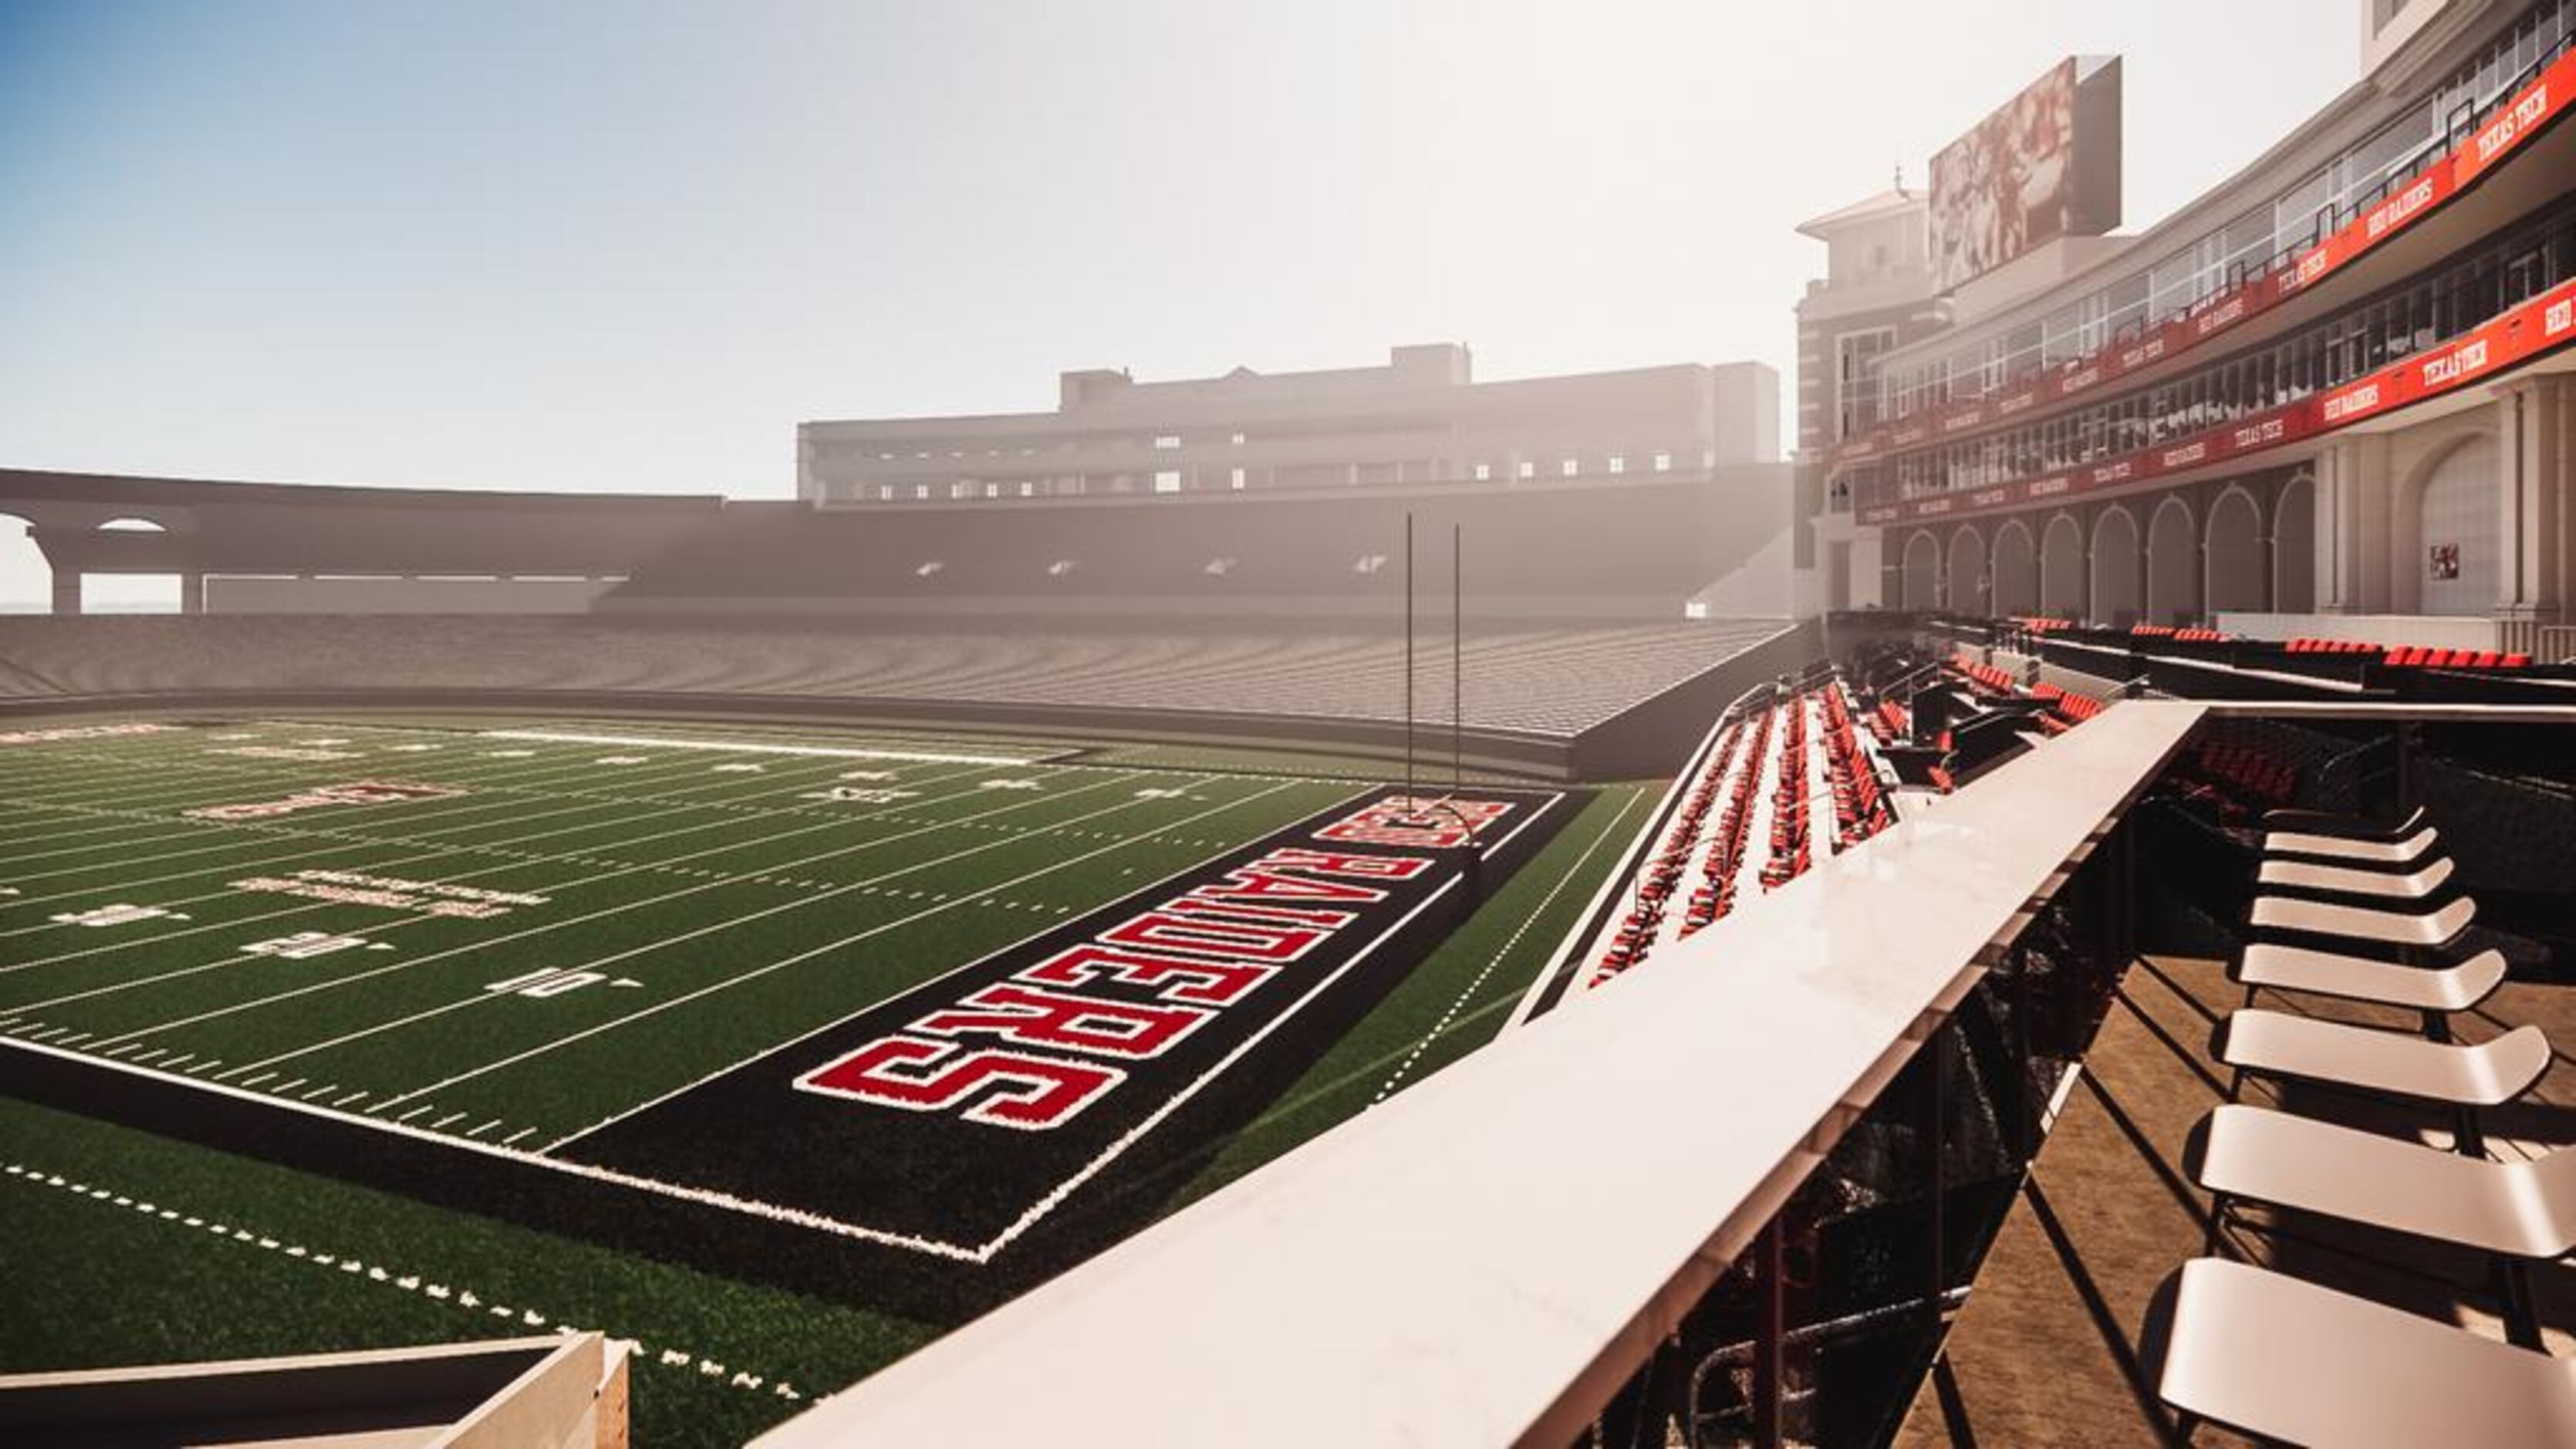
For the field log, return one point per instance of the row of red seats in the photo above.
(2249, 771)
(1716, 894)
(1789, 838)
(1889, 721)
(1860, 807)
(1991, 679)
(2072, 708)
(1630, 943)
(2455, 659)
(2043, 626)
(2201, 636)
(2332, 646)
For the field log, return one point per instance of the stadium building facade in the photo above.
(1419, 420)
(2330, 391)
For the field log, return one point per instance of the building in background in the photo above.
(1876, 295)
(1421, 419)
(2330, 390)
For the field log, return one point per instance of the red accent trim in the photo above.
(2540, 325)
(2532, 111)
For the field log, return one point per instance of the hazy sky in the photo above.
(630, 245)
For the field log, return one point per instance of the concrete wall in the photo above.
(402, 596)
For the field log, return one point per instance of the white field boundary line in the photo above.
(441, 852)
(470, 802)
(1441, 1027)
(480, 998)
(664, 805)
(928, 981)
(393, 925)
(834, 752)
(703, 1196)
(1174, 1103)
(619, 909)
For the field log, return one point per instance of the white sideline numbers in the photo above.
(550, 981)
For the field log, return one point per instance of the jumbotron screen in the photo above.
(2044, 165)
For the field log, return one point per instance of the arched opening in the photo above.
(2294, 547)
(2235, 553)
(2460, 553)
(2114, 566)
(1922, 571)
(2061, 568)
(2173, 565)
(130, 593)
(2015, 568)
(1967, 572)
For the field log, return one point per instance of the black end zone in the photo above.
(933, 1178)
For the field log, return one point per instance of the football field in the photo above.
(713, 962)
(550, 1007)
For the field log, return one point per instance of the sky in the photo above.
(595, 246)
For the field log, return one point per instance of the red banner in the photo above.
(2530, 112)
(2540, 325)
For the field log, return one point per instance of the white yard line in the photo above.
(619, 909)
(621, 1115)
(668, 806)
(482, 998)
(575, 856)
(446, 814)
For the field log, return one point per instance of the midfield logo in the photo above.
(357, 792)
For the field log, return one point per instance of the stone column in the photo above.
(192, 593)
(2353, 526)
(2532, 483)
(67, 592)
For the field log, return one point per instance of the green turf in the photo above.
(115, 1285)
(1455, 1000)
(745, 914)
